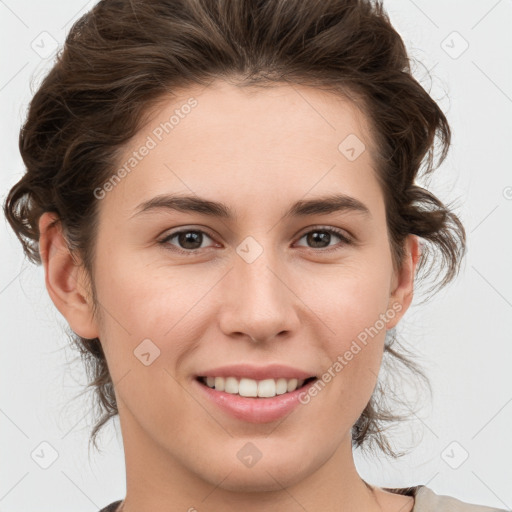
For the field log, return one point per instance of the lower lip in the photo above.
(255, 410)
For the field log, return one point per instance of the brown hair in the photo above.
(122, 57)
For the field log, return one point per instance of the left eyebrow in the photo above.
(317, 206)
(328, 204)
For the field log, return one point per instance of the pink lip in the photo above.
(270, 371)
(255, 410)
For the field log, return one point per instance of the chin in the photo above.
(262, 480)
(282, 468)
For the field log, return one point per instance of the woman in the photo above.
(223, 197)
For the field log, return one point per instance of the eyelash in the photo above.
(345, 240)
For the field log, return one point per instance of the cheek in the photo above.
(353, 300)
(149, 326)
(148, 300)
(153, 320)
(141, 300)
(354, 306)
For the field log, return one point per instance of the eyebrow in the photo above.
(317, 206)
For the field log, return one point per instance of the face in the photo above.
(275, 287)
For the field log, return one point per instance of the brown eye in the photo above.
(320, 238)
(187, 240)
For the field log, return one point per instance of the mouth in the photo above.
(251, 388)
(268, 399)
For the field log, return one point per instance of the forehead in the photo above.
(233, 142)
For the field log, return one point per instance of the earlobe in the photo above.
(402, 291)
(65, 280)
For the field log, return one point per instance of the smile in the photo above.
(250, 388)
(254, 408)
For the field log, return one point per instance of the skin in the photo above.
(258, 152)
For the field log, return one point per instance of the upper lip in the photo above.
(270, 371)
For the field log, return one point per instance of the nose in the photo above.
(258, 302)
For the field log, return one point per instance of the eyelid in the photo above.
(174, 231)
(338, 231)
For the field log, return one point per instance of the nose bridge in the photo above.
(258, 302)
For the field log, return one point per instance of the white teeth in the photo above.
(247, 387)
(219, 383)
(230, 385)
(281, 386)
(267, 388)
(292, 384)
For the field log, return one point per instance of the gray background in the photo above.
(462, 337)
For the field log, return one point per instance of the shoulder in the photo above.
(112, 507)
(426, 500)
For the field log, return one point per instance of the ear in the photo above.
(66, 280)
(402, 286)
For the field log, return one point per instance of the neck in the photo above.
(155, 481)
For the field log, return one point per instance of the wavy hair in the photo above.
(122, 57)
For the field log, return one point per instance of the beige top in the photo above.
(426, 500)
